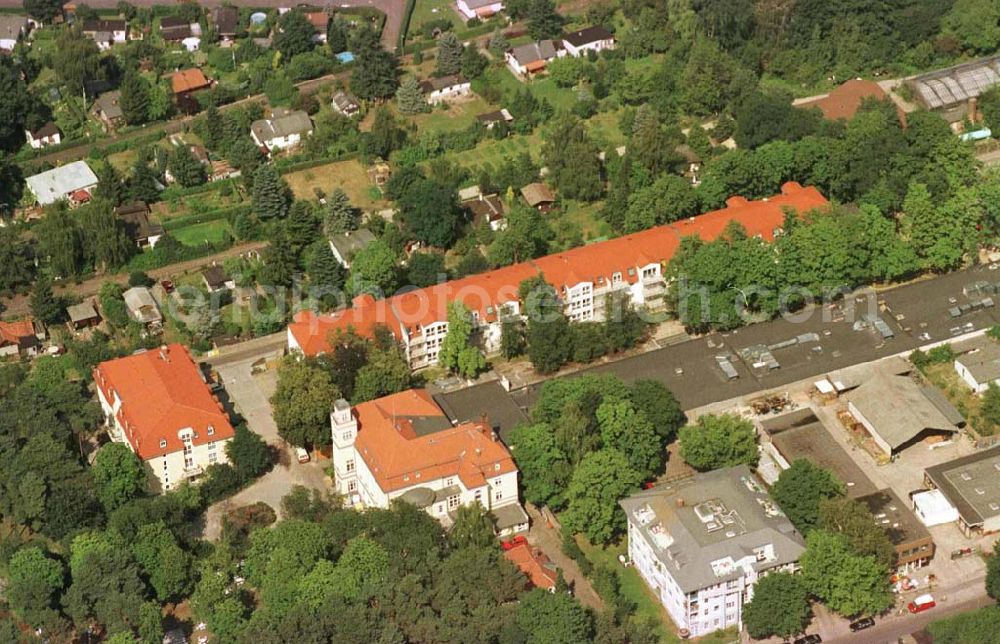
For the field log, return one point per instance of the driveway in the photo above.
(548, 539)
(249, 395)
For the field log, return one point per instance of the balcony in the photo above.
(193, 471)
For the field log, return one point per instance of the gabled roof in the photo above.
(135, 216)
(162, 392)
(485, 293)
(55, 184)
(282, 123)
(227, 20)
(347, 244)
(314, 332)
(141, 305)
(105, 25)
(536, 194)
(82, 312)
(534, 564)
(344, 101)
(899, 408)
(188, 80)
(215, 276)
(12, 26)
(535, 52)
(49, 129)
(406, 440)
(17, 332)
(588, 35)
(320, 20)
(109, 104)
(443, 82)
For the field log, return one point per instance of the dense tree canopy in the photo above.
(719, 441)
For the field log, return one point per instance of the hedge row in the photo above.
(288, 168)
(205, 217)
(175, 191)
(405, 27)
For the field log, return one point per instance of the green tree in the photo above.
(374, 75)
(544, 468)
(45, 306)
(106, 588)
(552, 618)
(799, 491)
(34, 582)
(16, 268)
(990, 406)
(970, 627)
(106, 242)
(993, 573)
(118, 475)
(374, 268)
(976, 23)
(449, 54)
(326, 274)
(431, 213)
(526, 236)
(543, 20)
(852, 520)
(248, 453)
(166, 564)
(134, 99)
(631, 433)
(426, 269)
(410, 98)
(341, 216)
(185, 168)
(387, 372)
(302, 226)
(294, 34)
(270, 197)
(60, 240)
(599, 481)
(548, 329)
(457, 338)
(512, 340)
(780, 606)
(849, 584)
(76, 60)
(498, 44)
(43, 10)
(473, 528)
(386, 136)
(302, 402)
(141, 184)
(572, 158)
(719, 441)
(660, 406)
(473, 62)
(935, 238)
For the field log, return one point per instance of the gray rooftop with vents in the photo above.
(695, 523)
(971, 483)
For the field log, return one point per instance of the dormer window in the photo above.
(163, 443)
(211, 431)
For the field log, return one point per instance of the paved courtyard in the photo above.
(249, 395)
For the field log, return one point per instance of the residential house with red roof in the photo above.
(21, 337)
(539, 570)
(583, 277)
(158, 403)
(404, 447)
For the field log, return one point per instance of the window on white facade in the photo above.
(163, 443)
(448, 482)
(346, 436)
(497, 494)
(352, 486)
(212, 458)
(349, 466)
(479, 497)
(188, 462)
(453, 502)
(211, 446)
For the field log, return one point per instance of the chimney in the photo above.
(163, 353)
(680, 502)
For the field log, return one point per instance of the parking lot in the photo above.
(249, 395)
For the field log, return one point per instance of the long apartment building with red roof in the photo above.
(403, 446)
(158, 403)
(582, 277)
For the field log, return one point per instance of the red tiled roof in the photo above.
(13, 332)
(318, 19)
(162, 392)
(534, 564)
(188, 80)
(486, 292)
(399, 458)
(843, 102)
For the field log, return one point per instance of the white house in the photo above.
(67, 182)
(532, 58)
(595, 39)
(158, 403)
(12, 28)
(445, 88)
(404, 447)
(701, 544)
(285, 128)
(106, 32)
(980, 366)
(478, 8)
(44, 136)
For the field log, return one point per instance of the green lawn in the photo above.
(647, 606)
(492, 151)
(197, 234)
(457, 116)
(427, 10)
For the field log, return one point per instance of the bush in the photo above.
(572, 550)
(140, 278)
(221, 480)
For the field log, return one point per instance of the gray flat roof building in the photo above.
(972, 485)
(58, 183)
(346, 245)
(979, 365)
(702, 526)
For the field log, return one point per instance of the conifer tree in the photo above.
(410, 98)
(269, 198)
(449, 56)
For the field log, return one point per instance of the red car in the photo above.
(922, 603)
(516, 541)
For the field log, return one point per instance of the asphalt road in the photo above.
(894, 628)
(393, 9)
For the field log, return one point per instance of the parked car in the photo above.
(812, 638)
(301, 454)
(921, 603)
(862, 624)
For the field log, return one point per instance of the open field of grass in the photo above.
(457, 116)
(647, 606)
(427, 10)
(197, 234)
(492, 151)
(350, 176)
